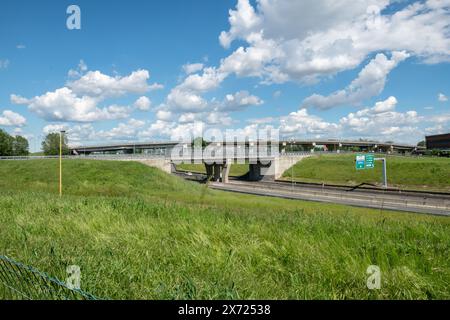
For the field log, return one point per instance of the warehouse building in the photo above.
(438, 142)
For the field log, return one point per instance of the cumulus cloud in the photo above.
(16, 99)
(97, 84)
(243, 20)
(122, 132)
(381, 119)
(155, 86)
(143, 103)
(301, 123)
(442, 97)
(378, 122)
(64, 105)
(208, 80)
(79, 100)
(164, 115)
(193, 67)
(12, 119)
(306, 40)
(55, 128)
(79, 71)
(158, 129)
(370, 82)
(185, 100)
(82, 133)
(240, 100)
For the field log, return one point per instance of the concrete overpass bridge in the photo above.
(260, 167)
(269, 164)
(291, 145)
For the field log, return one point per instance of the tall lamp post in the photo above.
(61, 134)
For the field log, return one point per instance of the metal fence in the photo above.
(19, 281)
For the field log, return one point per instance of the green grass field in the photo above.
(236, 170)
(421, 173)
(138, 233)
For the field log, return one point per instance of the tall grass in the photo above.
(138, 233)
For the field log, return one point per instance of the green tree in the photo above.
(50, 145)
(421, 144)
(20, 146)
(199, 141)
(6, 144)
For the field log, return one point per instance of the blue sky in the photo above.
(151, 70)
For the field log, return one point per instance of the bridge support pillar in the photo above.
(217, 172)
(209, 170)
(254, 173)
(226, 171)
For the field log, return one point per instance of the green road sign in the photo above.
(365, 161)
(370, 161)
(360, 162)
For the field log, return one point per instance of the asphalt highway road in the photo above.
(407, 201)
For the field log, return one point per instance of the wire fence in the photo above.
(22, 282)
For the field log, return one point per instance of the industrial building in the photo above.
(439, 142)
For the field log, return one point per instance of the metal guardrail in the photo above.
(19, 281)
(90, 157)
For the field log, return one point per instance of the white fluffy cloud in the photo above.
(81, 69)
(81, 133)
(12, 119)
(385, 106)
(378, 122)
(193, 67)
(370, 82)
(16, 99)
(122, 132)
(64, 105)
(79, 100)
(301, 123)
(309, 39)
(185, 100)
(240, 100)
(243, 20)
(382, 119)
(442, 97)
(97, 84)
(208, 80)
(143, 103)
(156, 86)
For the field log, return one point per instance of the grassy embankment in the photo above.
(418, 173)
(138, 233)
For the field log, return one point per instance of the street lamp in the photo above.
(61, 133)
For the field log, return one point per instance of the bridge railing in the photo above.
(144, 156)
(89, 157)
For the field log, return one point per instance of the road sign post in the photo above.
(360, 162)
(370, 161)
(385, 183)
(367, 161)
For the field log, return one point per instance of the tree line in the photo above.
(19, 146)
(13, 145)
